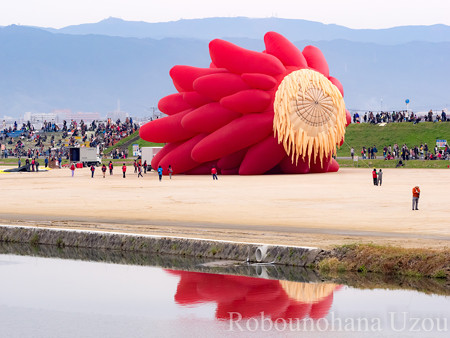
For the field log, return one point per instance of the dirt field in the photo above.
(311, 210)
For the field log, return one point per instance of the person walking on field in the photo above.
(124, 170)
(110, 165)
(380, 177)
(72, 168)
(140, 170)
(104, 170)
(375, 176)
(92, 171)
(160, 172)
(214, 173)
(170, 170)
(415, 199)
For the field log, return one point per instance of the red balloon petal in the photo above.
(167, 129)
(240, 60)
(277, 45)
(259, 81)
(232, 161)
(262, 157)
(202, 169)
(337, 83)
(316, 60)
(208, 118)
(173, 104)
(183, 77)
(288, 167)
(216, 86)
(180, 158)
(247, 101)
(196, 100)
(234, 171)
(163, 152)
(333, 166)
(348, 116)
(236, 135)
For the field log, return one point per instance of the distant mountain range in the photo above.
(89, 67)
(240, 27)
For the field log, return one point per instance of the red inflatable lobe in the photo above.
(259, 81)
(277, 45)
(348, 117)
(167, 129)
(234, 171)
(240, 60)
(173, 104)
(195, 99)
(316, 60)
(208, 118)
(333, 166)
(216, 86)
(317, 167)
(247, 101)
(262, 157)
(338, 84)
(236, 135)
(183, 77)
(180, 158)
(233, 160)
(287, 167)
(163, 152)
(203, 169)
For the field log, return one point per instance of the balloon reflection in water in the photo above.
(250, 296)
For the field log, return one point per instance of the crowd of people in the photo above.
(405, 153)
(31, 142)
(399, 116)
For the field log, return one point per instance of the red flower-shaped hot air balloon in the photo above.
(252, 113)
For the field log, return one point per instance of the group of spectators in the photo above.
(398, 116)
(31, 142)
(405, 153)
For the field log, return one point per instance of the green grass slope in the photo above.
(368, 135)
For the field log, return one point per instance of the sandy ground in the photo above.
(313, 210)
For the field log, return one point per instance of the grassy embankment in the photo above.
(368, 135)
(388, 260)
(136, 140)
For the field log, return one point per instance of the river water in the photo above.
(55, 297)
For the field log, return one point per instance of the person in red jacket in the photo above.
(72, 168)
(124, 170)
(214, 173)
(375, 176)
(415, 199)
(92, 171)
(104, 170)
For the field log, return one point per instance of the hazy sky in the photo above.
(350, 13)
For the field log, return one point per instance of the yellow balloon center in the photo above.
(310, 115)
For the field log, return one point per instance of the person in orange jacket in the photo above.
(415, 199)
